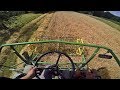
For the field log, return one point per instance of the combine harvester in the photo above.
(58, 68)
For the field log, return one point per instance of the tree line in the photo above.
(4, 15)
(103, 14)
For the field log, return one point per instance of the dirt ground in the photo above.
(64, 24)
(76, 25)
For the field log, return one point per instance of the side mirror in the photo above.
(104, 56)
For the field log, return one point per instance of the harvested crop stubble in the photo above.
(43, 24)
(66, 24)
(71, 24)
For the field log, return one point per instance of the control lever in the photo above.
(105, 56)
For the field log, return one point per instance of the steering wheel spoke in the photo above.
(58, 59)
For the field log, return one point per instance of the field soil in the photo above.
(70, 26)
(76, 25)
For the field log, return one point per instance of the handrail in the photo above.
(55, 41)
(65, 42)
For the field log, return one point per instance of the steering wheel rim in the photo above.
(49, 52)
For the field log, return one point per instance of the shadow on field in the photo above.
(104, 73)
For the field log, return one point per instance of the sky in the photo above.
(117, 13)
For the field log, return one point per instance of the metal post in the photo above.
(92, 56)
(115, 57)
(19, 55)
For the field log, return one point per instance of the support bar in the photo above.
(64, 42)
(92, 56)
(18, 54)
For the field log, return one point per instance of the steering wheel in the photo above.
(54, 69)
